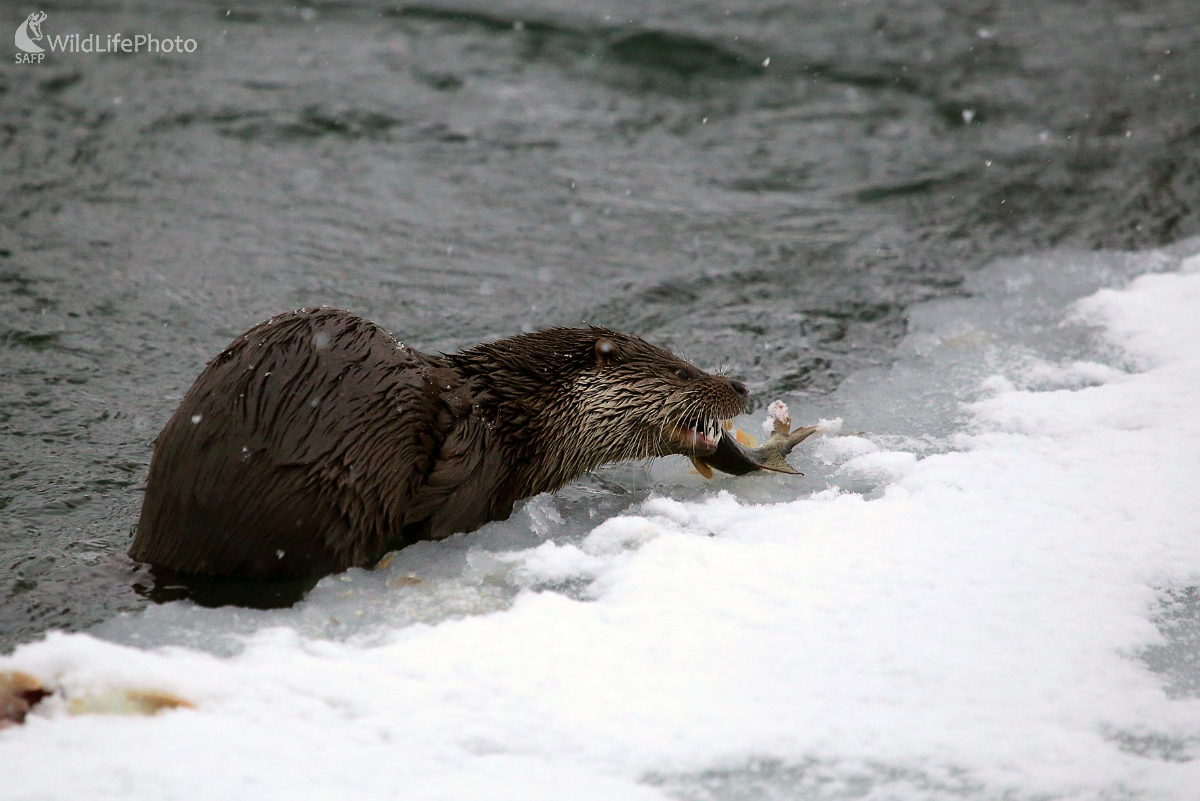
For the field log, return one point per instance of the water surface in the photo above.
(766, 187)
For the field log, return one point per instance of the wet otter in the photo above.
(316, 442)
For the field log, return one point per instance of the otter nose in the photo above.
(739, 388)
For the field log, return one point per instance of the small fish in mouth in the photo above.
(730, 456)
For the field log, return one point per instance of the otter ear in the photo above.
(606, 351)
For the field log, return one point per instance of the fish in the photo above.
(737, 453)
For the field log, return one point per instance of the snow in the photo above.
(777, 416)
(957, 601)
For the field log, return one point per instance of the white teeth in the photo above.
(706, 432)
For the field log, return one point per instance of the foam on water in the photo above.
(981, 589)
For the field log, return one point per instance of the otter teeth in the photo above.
(705, 432)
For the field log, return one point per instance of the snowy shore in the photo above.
(959, 604)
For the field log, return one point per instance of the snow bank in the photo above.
(954, 603)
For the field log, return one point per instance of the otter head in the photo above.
(577, 398)
(649, 402)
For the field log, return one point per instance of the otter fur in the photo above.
(316, 442)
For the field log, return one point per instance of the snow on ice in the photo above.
(957, 601)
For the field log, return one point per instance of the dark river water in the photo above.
(764, 186)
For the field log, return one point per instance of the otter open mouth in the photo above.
(700, 437)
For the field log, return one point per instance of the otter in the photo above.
(317, 442)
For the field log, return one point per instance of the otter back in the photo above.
(271, 465)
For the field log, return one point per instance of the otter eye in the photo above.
(682, 374)
(606, 350)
